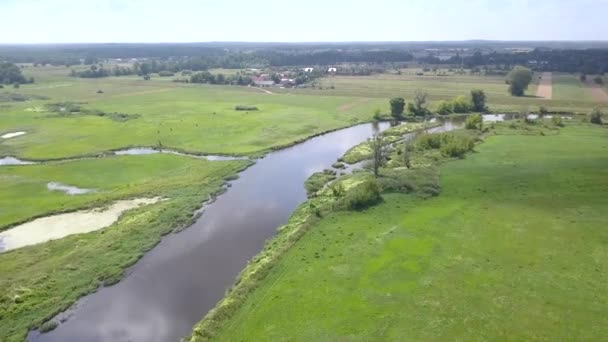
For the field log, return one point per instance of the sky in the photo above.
(97, 21)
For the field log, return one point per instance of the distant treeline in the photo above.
(591, 61)
(566, 57)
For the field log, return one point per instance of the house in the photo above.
(332, 70)
(262, 81)
(309, 69)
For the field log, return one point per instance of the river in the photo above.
(175, 284)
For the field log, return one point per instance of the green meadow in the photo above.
(39, 281)
(514, 248)
(454, 265)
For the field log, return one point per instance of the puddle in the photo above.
(13, 135)
(68, 189)
(62, 225)
(14, 161)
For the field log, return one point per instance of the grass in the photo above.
(513, 248)
(25, 195)
(39, 281)
(448, 87)
(187, 117)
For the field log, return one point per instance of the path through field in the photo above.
(545, 86)
(598, 93)
(264, 90)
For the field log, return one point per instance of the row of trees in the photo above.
(418, 107)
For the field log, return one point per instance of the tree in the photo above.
(478, 100)
(397, 107)
(379, 147)
(10, 74)
(598, 80)
(519, 79)
(420, 99)
(595, 117)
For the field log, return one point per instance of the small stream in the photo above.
(175, 284)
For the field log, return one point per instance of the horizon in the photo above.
(314, 21)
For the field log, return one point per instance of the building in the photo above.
(309, 69)
(332, 70)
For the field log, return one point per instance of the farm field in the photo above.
(513, 248)
(568, 94)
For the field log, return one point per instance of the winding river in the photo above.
(174, 285)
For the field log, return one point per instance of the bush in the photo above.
(461, 105)
(450, 144)
(457, 148)
(245, 108)
(166, 74)
(428, 141)
(48, 326)
(595, 117)
(542, 110)
(598, 80)
(474, 121)
(557, 121)
(363, 196)
(445, 108)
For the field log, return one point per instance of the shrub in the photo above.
(377, 115)
(245, 108)
(48, 326)
(457, 148)
(598, 80)
(166, 73)
(445, 107)
(542, 110)
(461, 105)
(428, 141)
(474, 121)
(595, 117)
(557, 121)
(363, 196)
(450, 144)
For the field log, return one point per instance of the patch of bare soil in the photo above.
(598, 93)
(545, 86)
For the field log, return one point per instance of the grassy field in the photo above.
(513, 248)
(25, 195)
(568, 95)
(195, 118)
(37, 282)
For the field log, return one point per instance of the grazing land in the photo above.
(513, 248)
